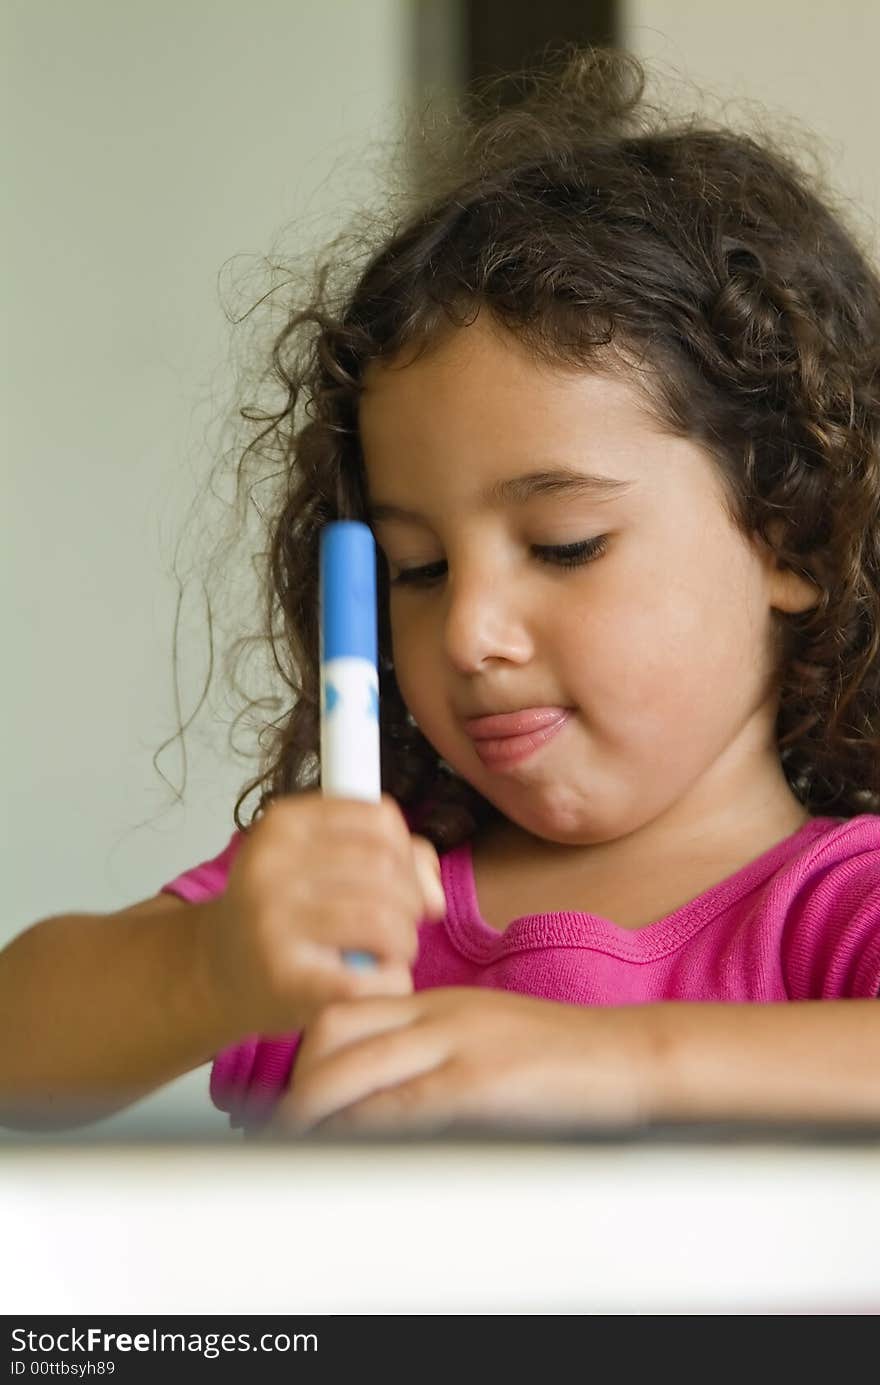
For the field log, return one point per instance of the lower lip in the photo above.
(512, 750)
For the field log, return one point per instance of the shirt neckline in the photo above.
(478, 940)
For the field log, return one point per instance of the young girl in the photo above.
(608, 397)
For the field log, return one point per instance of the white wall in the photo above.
(812, 67)
(150, 144)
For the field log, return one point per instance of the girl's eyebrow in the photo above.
(517, 489)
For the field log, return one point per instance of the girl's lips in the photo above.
(520, 723)
(501, 752)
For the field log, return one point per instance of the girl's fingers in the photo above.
(347, 1022)
(425, 1105)
(325, 980)
(365, 1054)
(390, 938)
(391, 979)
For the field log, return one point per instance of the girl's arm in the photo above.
(98, 1010)
(795, 1060)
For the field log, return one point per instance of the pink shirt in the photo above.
(801, 922)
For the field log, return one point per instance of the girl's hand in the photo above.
(314, 876)
(468, 1057)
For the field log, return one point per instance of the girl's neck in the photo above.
(736, 834)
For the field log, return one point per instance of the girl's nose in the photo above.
(485, 618)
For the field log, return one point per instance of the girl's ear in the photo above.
(789, 591)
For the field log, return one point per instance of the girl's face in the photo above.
(661, 643)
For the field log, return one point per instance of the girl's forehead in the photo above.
(478, 371)
(477, 411)
(507, 421)
(428, 432)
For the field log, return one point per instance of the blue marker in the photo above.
(350, 759)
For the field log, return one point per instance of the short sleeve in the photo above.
(831, 941)
(248, 1080)
(207, 880)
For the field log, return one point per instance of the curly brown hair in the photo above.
(585, 220)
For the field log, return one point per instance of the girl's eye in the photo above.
(568, 555)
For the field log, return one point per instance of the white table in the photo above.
(620, 1227)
